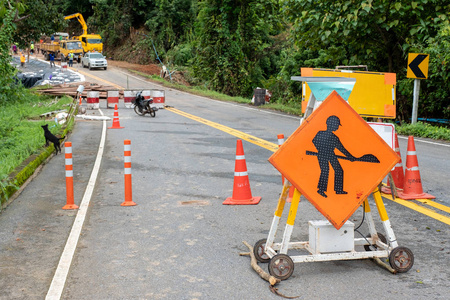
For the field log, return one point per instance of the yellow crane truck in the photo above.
(89, 42)
(60, 47)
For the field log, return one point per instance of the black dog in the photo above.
(50, 137)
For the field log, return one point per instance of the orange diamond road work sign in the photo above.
(335, 159)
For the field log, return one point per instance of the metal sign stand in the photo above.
(281, 265)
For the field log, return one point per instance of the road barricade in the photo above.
(112, 99)
(159, 98)
(93, 100)
(128, 98)
(146, 94)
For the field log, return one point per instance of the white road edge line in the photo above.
(60, 277)
(427, 142)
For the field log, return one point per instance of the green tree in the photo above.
(171, 22)
(434, 97)
(8, 88)
(114, 18)
(377, 33)
(233, 40)
(37, 18)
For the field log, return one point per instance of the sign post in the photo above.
(415, 101)
(417, 69)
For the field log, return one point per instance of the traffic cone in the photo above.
(242, 195)
(397, 174)
(412, 185)
(116, 123)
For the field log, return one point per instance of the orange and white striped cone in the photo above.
(397, 174)
(292, 188)
(116, 123)
(242, 195)
(127, 174)
(412, 185)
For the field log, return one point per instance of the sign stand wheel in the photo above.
(401, 259)
(281, 266)
(259, 252)
(382, 239)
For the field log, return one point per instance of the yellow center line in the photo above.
(434, 204)
(99, 79)
(249, 138)
(274, 147)
(423, 210)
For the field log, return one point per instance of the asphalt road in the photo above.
(180, 242)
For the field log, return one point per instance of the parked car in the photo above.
(94, 60)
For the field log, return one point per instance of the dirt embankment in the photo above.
(150, 69)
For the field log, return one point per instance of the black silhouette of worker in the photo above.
(326, 142)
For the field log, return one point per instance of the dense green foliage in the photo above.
(233, 41)
(8, 89)
(234, 46)
(38, 17)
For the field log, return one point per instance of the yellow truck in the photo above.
(60, 47)
(89, 41)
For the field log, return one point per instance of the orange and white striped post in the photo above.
(127, 165)
(69, 176)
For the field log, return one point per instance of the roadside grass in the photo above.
(21, 135)
(425, 130)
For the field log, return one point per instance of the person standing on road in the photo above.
(32, 48)
(22, 60)
(52, 60)
(71, 59)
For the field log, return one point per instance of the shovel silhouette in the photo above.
(365, 158)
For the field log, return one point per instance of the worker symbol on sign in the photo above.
(326, 142)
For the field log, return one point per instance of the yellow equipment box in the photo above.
(373, 94)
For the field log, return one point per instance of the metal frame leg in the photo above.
(276, 219)
(369, 219)
(290, 222)
(392, 240)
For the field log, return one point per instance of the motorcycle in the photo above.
(142, 105)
